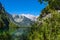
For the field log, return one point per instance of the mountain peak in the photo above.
(18, 18)
(29, 16)
(23, 20)
(32, 17)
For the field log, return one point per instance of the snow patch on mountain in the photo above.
(32, 17)
(24, 20)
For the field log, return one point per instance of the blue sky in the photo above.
(23, 6)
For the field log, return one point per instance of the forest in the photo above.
(46, 28)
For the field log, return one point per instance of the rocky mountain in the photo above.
(32, 17)
(22, 20)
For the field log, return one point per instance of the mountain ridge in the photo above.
(21, 20)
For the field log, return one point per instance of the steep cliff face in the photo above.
(4, 21)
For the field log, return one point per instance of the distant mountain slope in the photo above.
(22, 20)
(30, 16)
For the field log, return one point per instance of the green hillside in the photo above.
(5, 24)
(49, 28)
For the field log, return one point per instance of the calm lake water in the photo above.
(19, 33)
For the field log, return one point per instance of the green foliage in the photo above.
(12, 27)
(4, 26)
(53, 4)
(48, 30)
(4, 21)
